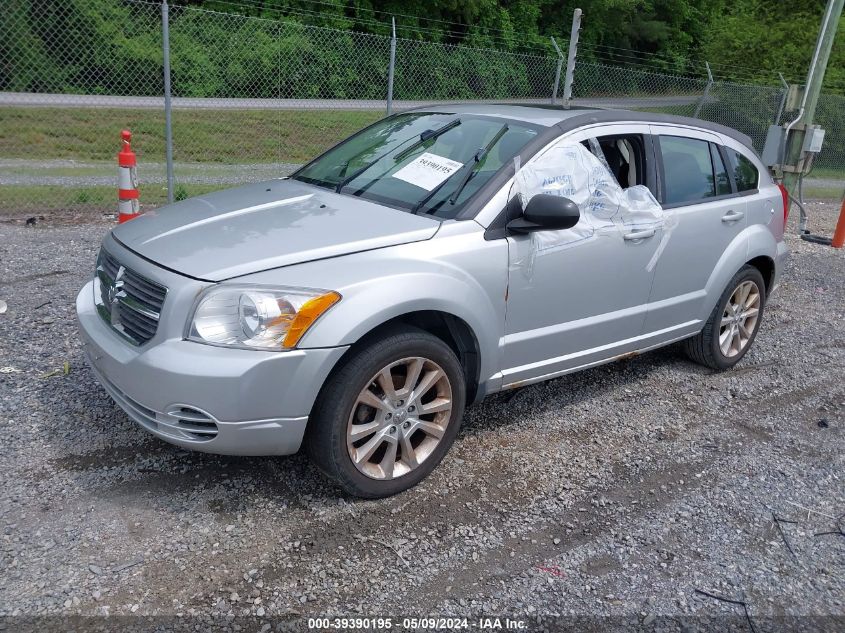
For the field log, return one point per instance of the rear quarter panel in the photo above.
(763, 235)
(766, 206)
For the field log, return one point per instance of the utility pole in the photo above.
(796, 129)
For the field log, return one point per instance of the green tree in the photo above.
(771, 36)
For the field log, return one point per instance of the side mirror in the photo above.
(546, 212)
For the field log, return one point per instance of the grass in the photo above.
(92, 135)
(827, 173)
(35, 199)
(823, 193)
(220, 136)
(200, 136)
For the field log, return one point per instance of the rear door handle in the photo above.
(732, 216)
(639, 235)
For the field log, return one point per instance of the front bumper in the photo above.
(211, 399)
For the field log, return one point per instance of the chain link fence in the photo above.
(254, 98)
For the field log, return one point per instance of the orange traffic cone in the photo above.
(128, 206)
(838, 240)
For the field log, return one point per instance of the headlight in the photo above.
(257, 318)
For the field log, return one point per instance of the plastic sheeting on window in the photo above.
(570, 170)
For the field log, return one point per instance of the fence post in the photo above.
(706, 91)
(168, 123)
(570, 61)
(391, 68)
(557, 72)
(782, 99)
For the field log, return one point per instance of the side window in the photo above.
(625, 157)
(745, 173)
(723, 183)
(687, 169)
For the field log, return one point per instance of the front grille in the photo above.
(128, 302)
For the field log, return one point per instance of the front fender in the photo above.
(457, 272)
(379, 300)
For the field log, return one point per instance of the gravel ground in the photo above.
(615, 494)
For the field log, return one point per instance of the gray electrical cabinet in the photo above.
(775, 144)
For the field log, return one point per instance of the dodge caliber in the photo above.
(357, 306)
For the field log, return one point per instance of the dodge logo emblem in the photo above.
(115, 293)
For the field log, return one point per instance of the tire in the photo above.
(346, 420)
(706, 348)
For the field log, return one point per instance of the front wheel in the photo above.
(387, 417)
(733, 324)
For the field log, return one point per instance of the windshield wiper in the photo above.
(468, 166)
(427, 135)
(479, 156)
(424, 136)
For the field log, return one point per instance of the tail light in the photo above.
(785, 195)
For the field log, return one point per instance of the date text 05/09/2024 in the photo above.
(417, 623)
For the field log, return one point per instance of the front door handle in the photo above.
(732, 216)
(639, 235)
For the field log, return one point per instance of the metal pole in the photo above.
(390, 68)
(782, 104)
(815, 77)
(168, 123)
(706, 91)
(557, 72)
(570, 61)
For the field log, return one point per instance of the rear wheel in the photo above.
(388, 416)
(733, 324)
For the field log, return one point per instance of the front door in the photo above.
(580, 296)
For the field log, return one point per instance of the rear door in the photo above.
(698, 189)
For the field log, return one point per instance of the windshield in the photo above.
(424, 162)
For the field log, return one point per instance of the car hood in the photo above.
(265, 225)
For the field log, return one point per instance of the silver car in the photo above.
(436, 257)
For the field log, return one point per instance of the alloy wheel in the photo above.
(739, 319)
(399, 418)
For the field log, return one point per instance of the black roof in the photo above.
(567, 119)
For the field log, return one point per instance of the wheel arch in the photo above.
(755, 246)
(448, 327)
(766, 266)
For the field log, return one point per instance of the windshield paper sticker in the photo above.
(428, 170)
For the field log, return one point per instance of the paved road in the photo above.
(188, 103)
